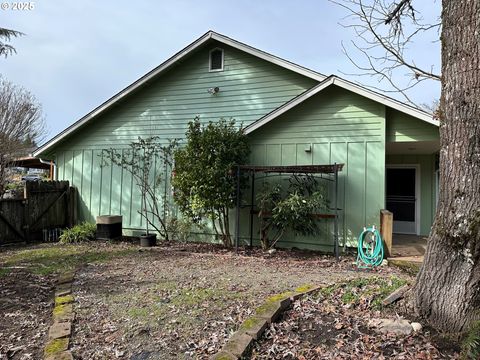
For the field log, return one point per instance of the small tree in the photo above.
(294, 211)
(141, 160)
(21, 124)
(205, 178)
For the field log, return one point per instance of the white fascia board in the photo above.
(387, 101)
(268, 57)
(289, 105)
(119, 96)
(162, 67)
(333, 80)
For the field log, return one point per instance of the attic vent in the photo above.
(216, 60)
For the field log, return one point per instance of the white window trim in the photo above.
(210, 60)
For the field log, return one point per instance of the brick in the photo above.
(238, 344)
(270, 311)
(61, 300)
(56, 346)
(63, 290)
(254, 326)
(63, 313)
(60, 330)
(64, 355)
(66, 278)
(223, 355)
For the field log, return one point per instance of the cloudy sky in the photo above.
(77, 54)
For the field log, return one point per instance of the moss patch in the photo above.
(60, 310)
(266, 307)
(60, 300)
(56, 346)
(280, 297)
(303, 288)
(250, 323)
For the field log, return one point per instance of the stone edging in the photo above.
(60, 331)
(253, 327)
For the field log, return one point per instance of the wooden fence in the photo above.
(45, 207)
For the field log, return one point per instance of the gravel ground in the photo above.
(183, 302)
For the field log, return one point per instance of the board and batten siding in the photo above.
(340, 127)
(249, 89)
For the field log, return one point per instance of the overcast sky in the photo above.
(77, 54)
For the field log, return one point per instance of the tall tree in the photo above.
(21, 124)
(6, 35)
(447, 289)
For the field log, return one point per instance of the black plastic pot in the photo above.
(148, 240)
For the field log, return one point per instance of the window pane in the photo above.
(216, 60)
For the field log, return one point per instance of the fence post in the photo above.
(386, 230)
(73, 206)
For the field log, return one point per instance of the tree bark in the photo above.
(447, 290)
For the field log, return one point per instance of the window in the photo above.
(216, 60)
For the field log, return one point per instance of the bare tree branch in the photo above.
(21, 125)
(384, 31)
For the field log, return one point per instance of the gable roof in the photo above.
(210, 35)
(360, 90)
(324, 82)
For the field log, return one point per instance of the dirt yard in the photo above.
(168, 302)
(183, 302)
(337, 323)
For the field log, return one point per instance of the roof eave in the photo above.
(167, 64)
(334, 80)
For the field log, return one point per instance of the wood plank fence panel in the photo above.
(46, 205)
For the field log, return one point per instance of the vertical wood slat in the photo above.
(44, 206)
(386, 230)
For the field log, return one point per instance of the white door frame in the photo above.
(417, 190)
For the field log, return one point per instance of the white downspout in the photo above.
(50, 163)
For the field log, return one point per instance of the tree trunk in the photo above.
(447, 290)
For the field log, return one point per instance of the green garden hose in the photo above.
(370, 248)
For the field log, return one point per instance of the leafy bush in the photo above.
(180, 229)
(204, 180)
(79, 233)
(293, 211)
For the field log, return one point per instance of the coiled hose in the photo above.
(370, 248)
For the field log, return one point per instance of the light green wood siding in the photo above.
(249, 88)
(402, 127)
(427, 185)
(341, 127)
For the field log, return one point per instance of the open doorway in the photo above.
(402, 198)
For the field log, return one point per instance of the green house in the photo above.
(292, 115)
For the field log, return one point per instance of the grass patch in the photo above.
(56, 259)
